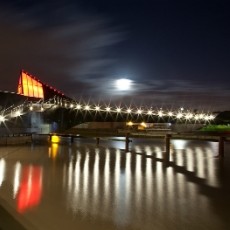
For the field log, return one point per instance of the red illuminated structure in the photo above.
(30, 86)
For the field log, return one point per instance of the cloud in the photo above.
(168, 93)
(63, 46)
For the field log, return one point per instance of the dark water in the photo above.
(82, 186)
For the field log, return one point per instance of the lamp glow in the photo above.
(179, 115)
(2, 118)
(97, 108)
(78, 106)
(87, 107)
(150, 112)
(18, 113)
(118, 110)
(130, 123)
(139, 111)
(160, 113)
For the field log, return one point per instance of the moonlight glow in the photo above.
(123, 84)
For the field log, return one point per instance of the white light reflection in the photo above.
(122, 187)
(2, 170)
(17, 173)
(158, 152)
(200, 162)
(70, 176)
(148, 150)
(211, 175)
(179, 144)
(137, 149)
(179, 159)
(159, 185)
(190, 159)
(128, 185)
(138, 177)
(96, 183)
(117, 172)
(106, 181)
(148, 184)
(85, 185)
(77, 175)
(117, 175)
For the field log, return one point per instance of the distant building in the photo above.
(29, 89)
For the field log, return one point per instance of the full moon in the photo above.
(123, 84)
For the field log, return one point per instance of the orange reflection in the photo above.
(30, 190)
(53, 150)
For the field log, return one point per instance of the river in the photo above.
(83, 186)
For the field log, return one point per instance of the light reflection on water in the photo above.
(134, 190)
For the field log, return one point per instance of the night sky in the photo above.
(176, 53)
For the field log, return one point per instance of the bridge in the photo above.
(37, 104)
(44, 104)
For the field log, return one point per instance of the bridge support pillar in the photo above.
(71, 139)
(221, 147)
(127, 140)
(167, 147)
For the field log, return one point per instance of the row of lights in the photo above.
(160, 113)
(16, 113)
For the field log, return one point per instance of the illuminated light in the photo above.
(65, 104)
(97, 108)
(129, 111)
(179, 115)
(201, 116)
(196, 117)
(71, 105)
(107, 109)
(55, 139)
(143, 124)
(118, 110)
(2, 118)
(139, 111)
(206, 118)
(190, 115)
(150, 112)
(182, 109)
(31, 108)
(187, 116)
(211, 117)
(29, 86)
(87, 107)
(160, 113)
(42, 109)
(78, 106)
(170, 114)
(130, 123)
(18, 113)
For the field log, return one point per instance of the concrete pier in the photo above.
(127, 140)
(167, 147)
(221, 147)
